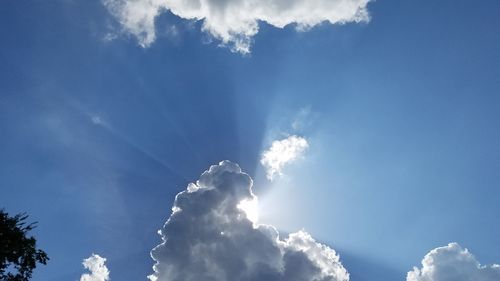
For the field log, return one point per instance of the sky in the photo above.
(369, 127)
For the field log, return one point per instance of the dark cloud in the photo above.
(208, 237)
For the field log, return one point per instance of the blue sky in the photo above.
(403, 127)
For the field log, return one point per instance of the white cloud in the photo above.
(137, 17)
(98, 270)
(209, 237)
(453, 263)
(235, 22)
(282, 153)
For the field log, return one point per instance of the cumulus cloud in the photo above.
(281, 153)
(453, 263)
(235, 22)
(98, 270)
(209, 237)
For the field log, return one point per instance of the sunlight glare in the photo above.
(251, 208)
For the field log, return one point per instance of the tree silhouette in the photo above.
(18, 252)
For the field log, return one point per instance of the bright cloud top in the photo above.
(282, 153)
(209, 237)
(235, 22)
(453, 263)
(98, 270)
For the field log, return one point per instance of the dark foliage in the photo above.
(18, 252)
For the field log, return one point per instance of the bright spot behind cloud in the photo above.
(453, 263)
(251, 208)
(282, 153)
(232, 22)
(210, 237)
(98, 270)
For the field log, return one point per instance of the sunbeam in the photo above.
(104, 124)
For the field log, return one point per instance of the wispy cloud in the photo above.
(303, 119)
(281, 153)
(235, 23)
(97, 267)
(96, 119)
